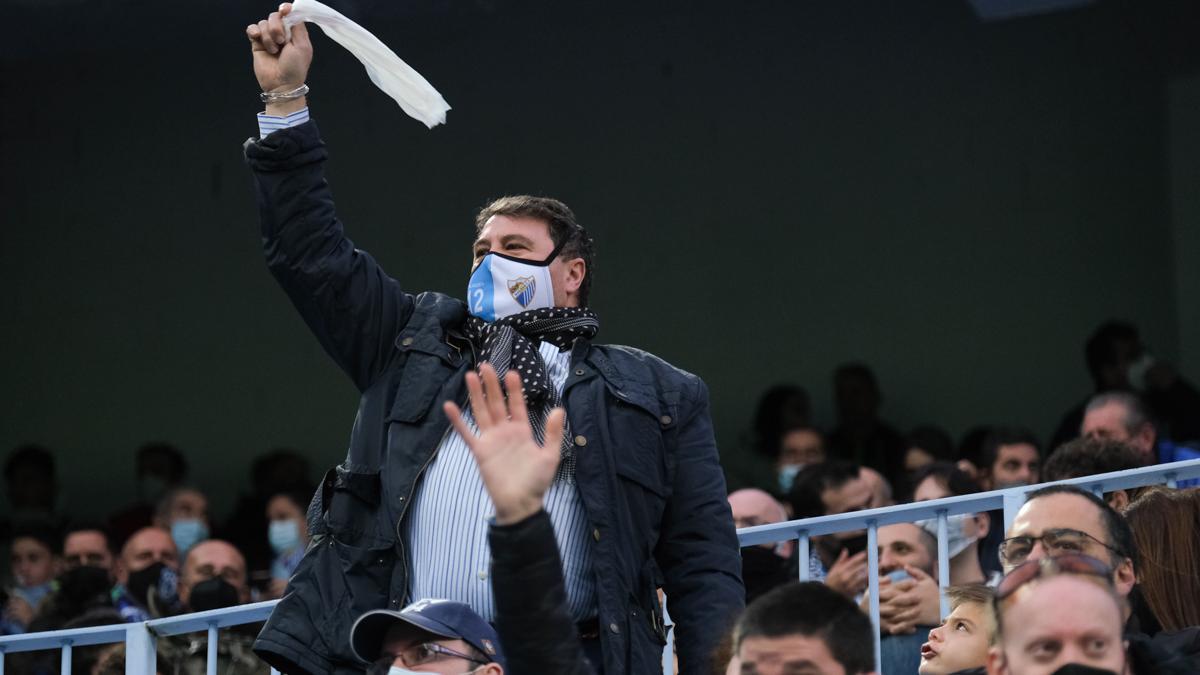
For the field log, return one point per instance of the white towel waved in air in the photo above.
(396, 78)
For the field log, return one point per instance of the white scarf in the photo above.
(396, 78)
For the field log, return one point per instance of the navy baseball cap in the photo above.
(444, 618)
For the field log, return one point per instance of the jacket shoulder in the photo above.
(639, 365)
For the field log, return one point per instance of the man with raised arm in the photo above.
(638, 499)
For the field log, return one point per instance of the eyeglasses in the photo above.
(1057, 542)
(417, 655)
(1063, 564)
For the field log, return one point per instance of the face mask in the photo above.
(502, 285)
(397, 670)
(215, 593)
(787, 476)
(956, 539)
(853, 545)
(284, 536)
(188, 532)
(81, 584)
(763, 570)
(32, 594)
(141, 581)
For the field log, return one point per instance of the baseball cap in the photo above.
(444, 618)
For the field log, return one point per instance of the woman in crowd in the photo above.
(1166, 527)
(288, 535)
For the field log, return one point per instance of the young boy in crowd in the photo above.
(960, 645)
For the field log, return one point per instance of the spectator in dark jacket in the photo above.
(640, 497)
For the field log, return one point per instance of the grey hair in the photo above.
(1137, 414)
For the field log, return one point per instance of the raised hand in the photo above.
(516, 470)
(280, 64)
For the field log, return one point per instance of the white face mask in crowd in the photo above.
(397, 670)
(957, 540)
(502, 285)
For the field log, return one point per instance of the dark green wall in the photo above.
(775, 187)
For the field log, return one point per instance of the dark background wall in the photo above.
(776, 187)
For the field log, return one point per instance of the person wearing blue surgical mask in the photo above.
(288, 536)
(184, 513)
(798, 447)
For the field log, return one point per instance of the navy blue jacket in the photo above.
(646, 467)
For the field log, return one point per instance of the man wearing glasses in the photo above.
(429, 636)
(1063, 519)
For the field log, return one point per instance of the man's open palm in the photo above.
(515, 469)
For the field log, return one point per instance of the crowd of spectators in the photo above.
(1111, 583)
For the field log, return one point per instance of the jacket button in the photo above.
(402, 499)
(580, 441)
(406, 341)
(614, 628)
(579, 371)
(596, 534)
(665, 419)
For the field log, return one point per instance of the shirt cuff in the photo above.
(270, 123)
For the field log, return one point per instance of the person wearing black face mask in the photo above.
(214, 577)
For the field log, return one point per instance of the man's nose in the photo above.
(1037, 552)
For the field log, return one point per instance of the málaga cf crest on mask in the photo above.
(502, 285)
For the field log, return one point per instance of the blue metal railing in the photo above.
(1009, 500)
(139, 638)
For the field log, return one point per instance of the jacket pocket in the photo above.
(353, 580)
(352, 501)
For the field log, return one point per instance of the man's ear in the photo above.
(1118, 500)
(983, 525)
(574, 273)
(1124, 578)
(996, 664)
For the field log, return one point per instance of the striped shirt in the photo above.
(447, 530)
(268, 123)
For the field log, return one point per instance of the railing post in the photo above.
(140, 654)
(943, 551)
(65, 668)
(804, 566)
(211, 663)
(1014, 499)
(873, 587)
(1, 661)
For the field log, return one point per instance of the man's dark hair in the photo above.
(812, 609)
(949, 476)
(87, 526)
(933, 440)
(805, 495)
(1117, 531)
(41, 530)
(1101, 348)
(1000, 437)
(970, 446)
(565, 231)
(1088, 457)
(34, 456)
(177, 466)
(783, 406)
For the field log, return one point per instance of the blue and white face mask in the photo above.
(502, 285)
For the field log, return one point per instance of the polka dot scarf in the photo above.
(510, 343)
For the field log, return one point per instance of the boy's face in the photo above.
(961, 642)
